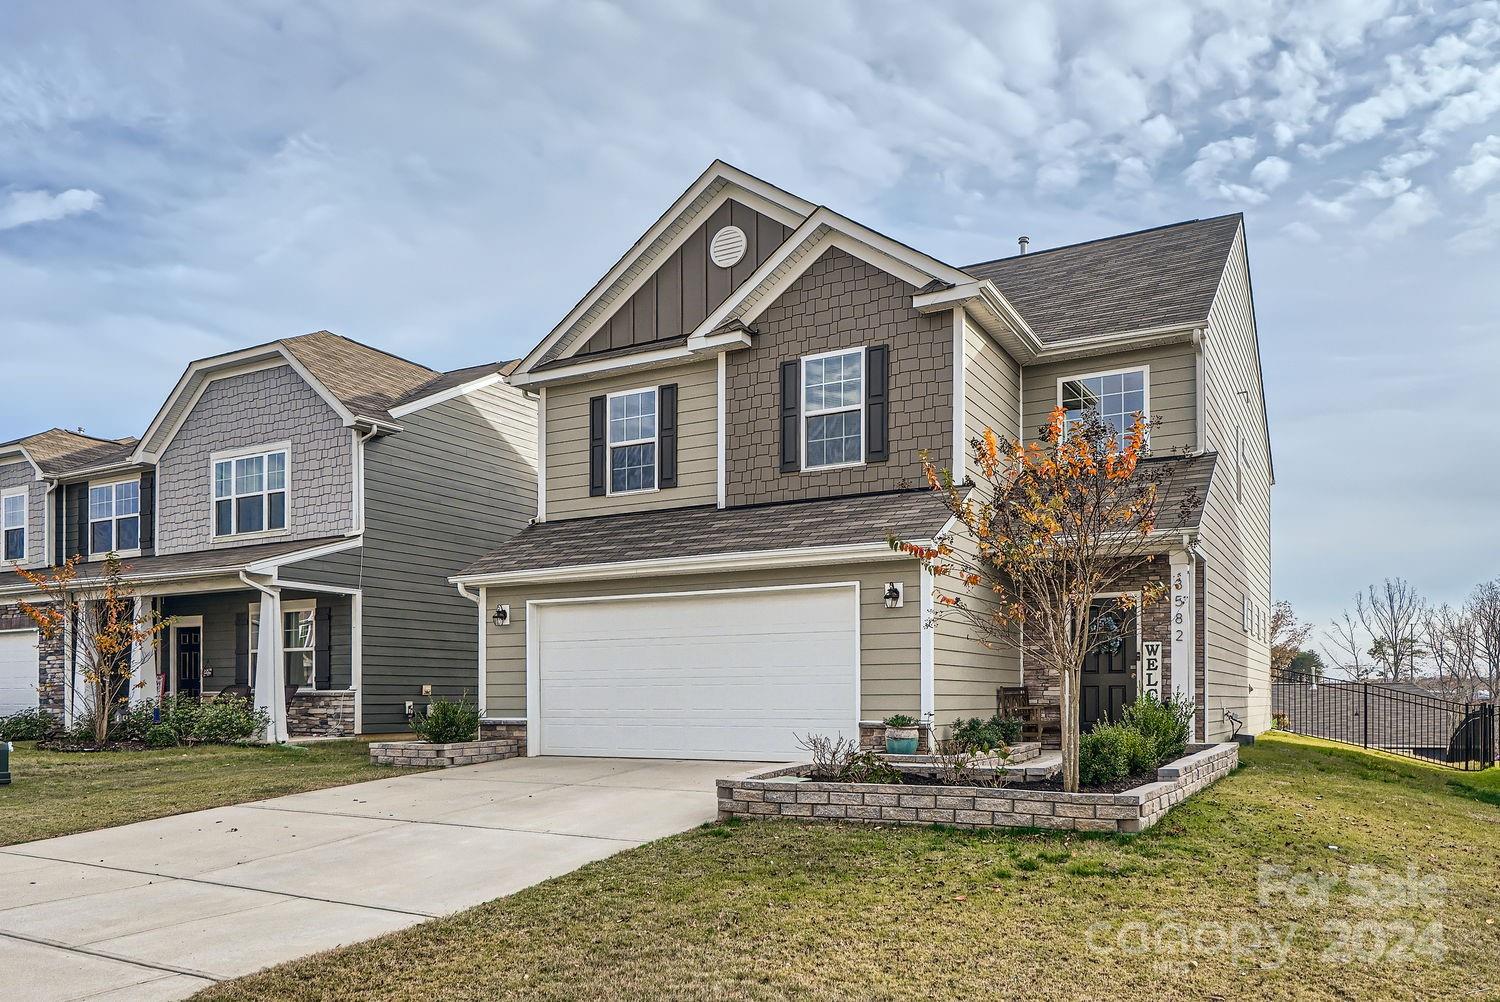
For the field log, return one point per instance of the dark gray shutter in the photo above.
(877, 410)
(59, 526)
(666, 435)
(598, 447)
(323, 647)
(791, 435)
(81, 507)
(242, 648)
(148, 512)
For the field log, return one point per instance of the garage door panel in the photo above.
(18, 671)
(724, 676)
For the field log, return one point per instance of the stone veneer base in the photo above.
(769, 795)
(421, 755)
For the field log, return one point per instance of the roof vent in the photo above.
(727, 248)
(1024, 241)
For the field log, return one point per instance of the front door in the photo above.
(189, 660)
(1109, 670)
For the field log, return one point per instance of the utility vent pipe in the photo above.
(1023, 241)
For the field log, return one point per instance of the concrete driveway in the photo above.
(159, 909)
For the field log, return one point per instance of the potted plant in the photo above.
(900, 734)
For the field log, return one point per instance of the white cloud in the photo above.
(1483, 166)
(1204, 172)
(1405, 163)
(1407, 211)
(23, 207)
(1301, 231)
(1271, 173)
(1483, 233)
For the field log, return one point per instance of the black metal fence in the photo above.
(1390, 719)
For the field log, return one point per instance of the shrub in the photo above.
(977, 735)
(868, 767)
(445, 721)
(28, 725)
(225, 719)
(135, 722)
(1112, 752)
(160, 736)
(220, 720)
(1164, 724)
(900, 720)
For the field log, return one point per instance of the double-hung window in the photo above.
(297, 640)
(250, 493)
(632, 441)
(1116, 396)
(13, 518)
(115, 517)
(833, 409)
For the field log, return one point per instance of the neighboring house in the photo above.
(328, 482)
(731, 425)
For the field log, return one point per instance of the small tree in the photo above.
(101, 611)
(1287, 637)
(1048, 529)
(1348, 647)
(1392, 615)
(1452, 642)
(1306, 666)
(1484, 608)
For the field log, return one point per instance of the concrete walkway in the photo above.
(159, 909)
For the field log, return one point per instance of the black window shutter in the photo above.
(666, 435)
(242, 648)
(82, 508)
(791, 434)
(598, 447)
(877, 408)
(59, 526)
(323, 647)
(148, 512)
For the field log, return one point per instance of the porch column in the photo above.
(1184, 624)
(143, 657)
(270, 666)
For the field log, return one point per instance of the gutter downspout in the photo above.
(359, 478)
(270, 674)
(480, 601)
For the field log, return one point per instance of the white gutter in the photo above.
(482, 697)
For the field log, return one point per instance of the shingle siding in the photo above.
(22, 475)
(252, 409)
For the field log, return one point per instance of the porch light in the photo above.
(501, 616)
(894, 595)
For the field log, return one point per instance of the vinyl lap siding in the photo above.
(1236, 535)
(991, 389)
(966, 673)
(890, 654)
(1172, 384)
(697, 443)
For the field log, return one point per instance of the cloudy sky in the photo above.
(445, 179)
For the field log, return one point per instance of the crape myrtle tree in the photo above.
(1047, 530)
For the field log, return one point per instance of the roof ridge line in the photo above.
(1100, 240)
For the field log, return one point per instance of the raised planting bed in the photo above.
(424, 755)
(788, 793)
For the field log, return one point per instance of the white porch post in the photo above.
(270, 666)
(143, 657)
(1184, 623)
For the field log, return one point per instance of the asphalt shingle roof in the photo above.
(59, 451)
(365, 380)
(1154, 278)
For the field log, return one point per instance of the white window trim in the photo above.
(24, 493)
(803, 413)
(114, 536)
(610, 444)
(254, 450)
(1145, 371)
(294, 605)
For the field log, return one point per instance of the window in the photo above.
(833, 409)
(632, 441)
(1116, 396)
(297, 639)
(13, 510)
(1245, 614)
(250, 494)
(115, 517)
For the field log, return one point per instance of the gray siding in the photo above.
(219, 611)
(455, 484)
(253, 409)
(1172, 386)
(697, 442)
(20, 474)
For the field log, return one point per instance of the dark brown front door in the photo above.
(1109, 670)
(189, 660)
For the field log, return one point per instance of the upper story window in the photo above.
(833, 409)
(632, 441)
(115, 517)
(13, 510)
(250, 493)
(1116, 396)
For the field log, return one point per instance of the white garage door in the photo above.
(18, 671)
(734, 675)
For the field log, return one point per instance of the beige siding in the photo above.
(992, 389)
(890, 654)
(966, 672)
(697, 442)
(1171, 385)
(1236, 534)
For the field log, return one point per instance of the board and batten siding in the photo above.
(890, 645)
(992, 390)
(1235, 536)
(697, 442)
(1172, 388)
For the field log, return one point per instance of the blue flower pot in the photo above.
(900, 740)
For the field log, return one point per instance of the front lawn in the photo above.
(777, 910)
(59, 793)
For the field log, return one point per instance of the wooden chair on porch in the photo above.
(1011, 701)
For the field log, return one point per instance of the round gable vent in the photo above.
(727, 248)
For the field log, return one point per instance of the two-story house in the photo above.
(731, 425)
(314, 485)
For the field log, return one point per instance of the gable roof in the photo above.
(57, 451)
(367, 381)
(1161, 277)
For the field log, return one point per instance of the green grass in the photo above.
(59, 793)
(778, 910)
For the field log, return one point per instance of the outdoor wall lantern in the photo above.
(502, 615)
(895, 595)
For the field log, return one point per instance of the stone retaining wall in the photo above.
(779, 794)
(420, 754)
(504, 730)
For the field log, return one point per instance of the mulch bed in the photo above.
(68, 745)
(1045, 785)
